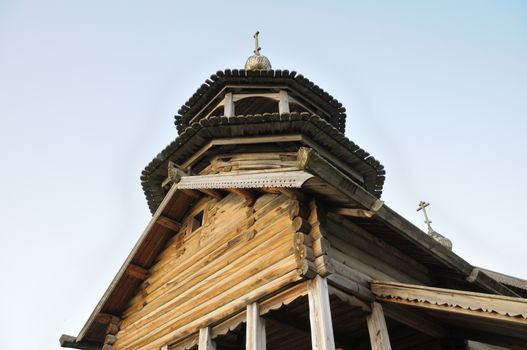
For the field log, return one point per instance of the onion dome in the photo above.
(257, 61)
(445, 242)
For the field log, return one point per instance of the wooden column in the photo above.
(228, 105)
(255, 337)
(205, 340)
(283, 104)
(320, 315)
(377, 328)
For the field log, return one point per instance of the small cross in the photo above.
(257, 48)
(422, 206)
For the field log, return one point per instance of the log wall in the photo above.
(343, 248)
(240, 254)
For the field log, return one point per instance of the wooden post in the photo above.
(228, 105)
(283, 104)
(255, 337)
(205, 340)
(320, 314)
(377, 328)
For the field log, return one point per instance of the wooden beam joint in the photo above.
(137, 272)
(245, 194)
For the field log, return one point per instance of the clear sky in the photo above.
(437, 91)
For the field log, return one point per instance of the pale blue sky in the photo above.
(437, 91)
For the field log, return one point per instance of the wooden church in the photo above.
(268, 232)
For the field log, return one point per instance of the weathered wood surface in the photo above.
(509, 310)
(205, 340)
(416, 320)
(255, 330)
(320, 315)
(214, 271)
(243, 162)
(377, 329)
(352, 248)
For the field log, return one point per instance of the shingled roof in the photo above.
(313, 126)
(212, 86)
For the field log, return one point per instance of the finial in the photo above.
(435, 235)
(257, 61)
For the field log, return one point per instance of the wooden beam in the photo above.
(416, 320)
(348, 285)
(359, 213)
(255, 336)
(211, 193)
(191, 193)
(246, 194)
(105, 318)
(377, 328)
(205, 340)
(169, 223)
(68, 341)
(137, 272)
(320, 315)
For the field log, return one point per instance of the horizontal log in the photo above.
(354, 288)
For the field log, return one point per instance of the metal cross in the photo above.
(422, 206)
(257, 48)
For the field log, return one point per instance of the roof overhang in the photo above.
(471, 313)
(210, 92)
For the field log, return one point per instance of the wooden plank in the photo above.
(483, 306)
(169, 223)
(228, 105)
(255, 337)
(205, 340)
(320, 315)
(283, 104)
(377, 329)
(283, 298)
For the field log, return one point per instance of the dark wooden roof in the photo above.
(313, 126)
(212, 86)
